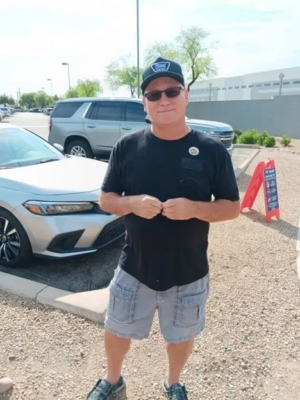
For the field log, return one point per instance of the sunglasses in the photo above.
(170, 93)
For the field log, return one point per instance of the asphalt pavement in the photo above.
(93, 271)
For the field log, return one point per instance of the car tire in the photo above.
(12, 231)
(80, 148)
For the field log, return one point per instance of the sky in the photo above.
(36, 36)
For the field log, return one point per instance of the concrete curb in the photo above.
(246, 146)
(90, 305)
(239, 170)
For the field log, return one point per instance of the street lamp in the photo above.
(49, 79)
(138, 47)
(210, 85)
(281, 76)
(64, 63)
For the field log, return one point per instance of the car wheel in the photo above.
(15, 248)
(80, 148)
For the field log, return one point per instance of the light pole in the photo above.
(210, 85)
(138, 46)
(49, 79)
(281, 76)
(65, 63)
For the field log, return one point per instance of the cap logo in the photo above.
(160, 66)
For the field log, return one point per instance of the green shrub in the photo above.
(285, 141)
(237, 132)
(248, 137)
(260, 137)
(269, 141)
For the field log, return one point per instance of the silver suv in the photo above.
(90, 127)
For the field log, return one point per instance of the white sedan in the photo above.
(48, 201)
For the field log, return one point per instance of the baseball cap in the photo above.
(162, 67)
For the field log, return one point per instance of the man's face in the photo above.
(166, 110)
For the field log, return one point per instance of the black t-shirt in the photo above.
(160, 252)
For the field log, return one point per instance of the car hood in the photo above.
(71, 175)
(220, 126)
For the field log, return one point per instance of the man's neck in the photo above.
(170, 132)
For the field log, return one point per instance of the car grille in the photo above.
(111, 232)
(226, 138)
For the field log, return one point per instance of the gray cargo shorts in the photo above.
(132, 306)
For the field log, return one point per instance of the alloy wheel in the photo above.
(10, 244)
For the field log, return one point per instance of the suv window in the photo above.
(106, 111)
(66, 110)
(135, 112)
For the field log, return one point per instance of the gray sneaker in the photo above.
(103, 390)
(175, 391)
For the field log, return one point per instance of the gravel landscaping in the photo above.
(250, 348)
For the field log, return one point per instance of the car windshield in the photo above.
(19, 147)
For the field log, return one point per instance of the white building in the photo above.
(260, 85)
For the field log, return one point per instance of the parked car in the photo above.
(18, 109)
(35, 110)
(90, 127)
(49, 201)
(48, 111)
(5, 111)
(1, 115)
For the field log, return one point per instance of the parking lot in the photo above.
(82, 273)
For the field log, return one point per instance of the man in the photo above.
(162, 180)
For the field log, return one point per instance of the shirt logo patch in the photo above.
(194, 151)
(160, 66)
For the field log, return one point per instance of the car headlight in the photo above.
(56, 208)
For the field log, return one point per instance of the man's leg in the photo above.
(116, 349)
(178, 354)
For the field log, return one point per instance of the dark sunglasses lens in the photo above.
(153, 96)
(173, 92)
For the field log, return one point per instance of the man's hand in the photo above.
(180, 209)
(145, 206)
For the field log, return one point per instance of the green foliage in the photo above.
(252, 136)
(269, 141)
(4, 99)
(187, 49)
(27, 100)
(248, 137)
(238, 132)
(72, 93)
(42, 99)
(260, 137)
(88, 87)
(123, 73)
(285, 141)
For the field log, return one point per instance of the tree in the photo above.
(123, 73)
(72, 93)
(88, 87)
(42, 99)
(27, 100)
(188, 49)
(4, 99)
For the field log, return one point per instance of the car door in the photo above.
(134, 118)
(102, 124)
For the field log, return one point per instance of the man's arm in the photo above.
(143, 205)
(216, 211)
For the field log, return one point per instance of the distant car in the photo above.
(1, 115)
(48, 201)
(18, 109)
(48, 111)
(89, 127)
(35, 110)
(5, 111)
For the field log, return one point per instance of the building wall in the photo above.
(261, 85)
(279, 116)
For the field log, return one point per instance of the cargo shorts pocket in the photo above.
(190, 309)
(121, 304)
